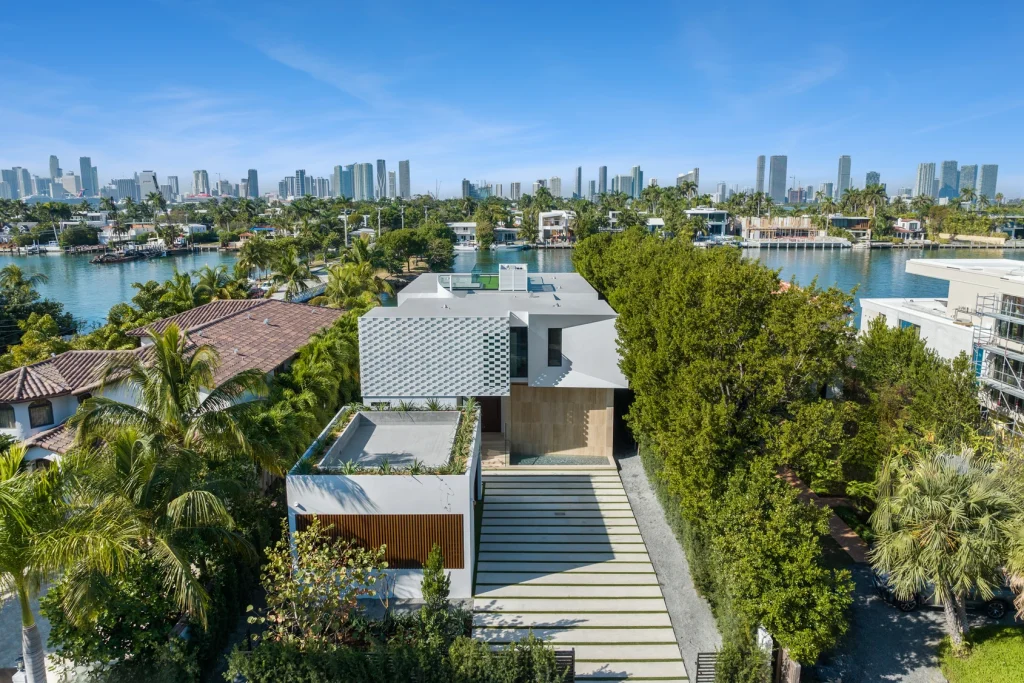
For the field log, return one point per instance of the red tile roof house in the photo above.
(37, 400)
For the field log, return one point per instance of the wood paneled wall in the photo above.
(408, 538)
(562, 421)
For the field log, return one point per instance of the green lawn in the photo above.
(997, 656)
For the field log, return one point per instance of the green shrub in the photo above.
(741, 661)
(997, 656)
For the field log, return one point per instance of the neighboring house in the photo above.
(554, 226)
(718, 221)
(36, 400)
(859, 226)
(653, 224)
(538, 351)
(465, 234)
(982, 316)
(910, 229)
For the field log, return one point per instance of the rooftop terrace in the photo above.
(401, 438)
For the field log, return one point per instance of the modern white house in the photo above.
(554, 226)
(37, 400)
(465, 235)
(981, 316)
(536, 350)
(910, 229)
(718, 221)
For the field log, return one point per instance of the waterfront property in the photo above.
(465, 234)
(402, 479)
(537, 351)
(719, 223)
(982, 316)
(909, 229)
(554, 226)
(37, 400)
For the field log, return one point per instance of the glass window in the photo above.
(6, 416)
(40, 413)
(554, 347)
(518, 352)
(904, 324)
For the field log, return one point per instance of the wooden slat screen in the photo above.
(408, 537)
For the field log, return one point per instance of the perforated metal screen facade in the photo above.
(424, 357)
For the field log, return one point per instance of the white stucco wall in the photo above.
(590, 357)
(947, 338)
(398, 494)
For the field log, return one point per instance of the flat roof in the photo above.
(1003, 268)
(551, 293)
(398, 436)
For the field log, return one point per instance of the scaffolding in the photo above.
(999, 358)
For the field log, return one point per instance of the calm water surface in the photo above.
(88, 291)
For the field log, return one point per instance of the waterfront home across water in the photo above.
(982, 316)
(37, 400)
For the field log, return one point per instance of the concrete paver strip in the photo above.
(562, 555)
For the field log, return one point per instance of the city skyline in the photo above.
(302, 103)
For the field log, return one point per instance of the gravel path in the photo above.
(692, 621)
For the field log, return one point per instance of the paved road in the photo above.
(692, 620)
(884, 644)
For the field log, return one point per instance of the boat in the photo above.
(33, 249)
(465, 247)
(506, 246)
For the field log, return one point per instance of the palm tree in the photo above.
(352, 285)
(156, 202)
(941, 521)
(44, 528)
(154, 449)
(292, 273)
(967, 194)
(12, 278)
(183, 293)
(255, 255)
(215, 284)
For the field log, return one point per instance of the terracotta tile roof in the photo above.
(71, 372)
(201, 315)
(263, 338)
(56, 440)
(242, 339)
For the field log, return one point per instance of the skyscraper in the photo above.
(691, 177)
(96, 181)
(514, 191)
(638, 181)
(253, 184)
(392, 185)
(282, 188)
(577, 186)
(404, 187)
(25, 188)
(555, 185)
(55, 172)
(949, 181)
(11, 178)
(602, 179)
(336, 181)
(825, 189)
(925, 178)
(969, 177)
(363, 182)
(467, 188)
(499, 190)
(348, 181)
(872, 178)
(300, 183)
(720, 193)
(243, 187)
(382, 178)
(123, 187)
(6, 191)
(759, 184)
(148, 183)
(200, 182)
(777, 179)
(624, 184)
(85, 166)
(987, 181)
(591, 189)
(843, 179)
(172, 180)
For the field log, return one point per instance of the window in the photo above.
(6, 416)
(904, 324)
(40, 414)
(82, 398)
(554, 347)
(518, 350)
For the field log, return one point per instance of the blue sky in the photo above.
(512, 91)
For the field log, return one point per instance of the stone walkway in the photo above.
(561, 554)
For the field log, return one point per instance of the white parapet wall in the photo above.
(398, 494)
